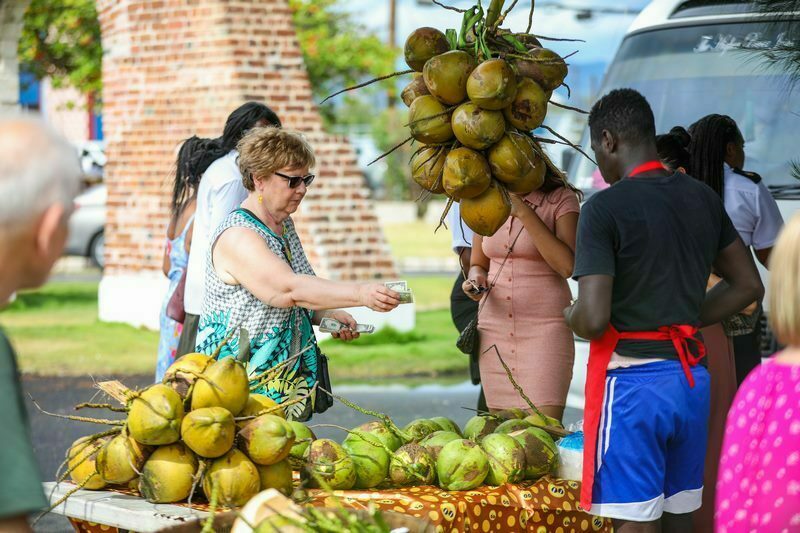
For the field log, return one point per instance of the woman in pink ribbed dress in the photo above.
(522, 315)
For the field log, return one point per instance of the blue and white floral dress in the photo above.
(262, 336)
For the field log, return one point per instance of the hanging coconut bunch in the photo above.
(475, 98)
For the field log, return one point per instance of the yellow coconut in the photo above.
(121, 458)
(209, 431)
(414, 90)
(485, 213)
(529, 107)
(256, 405)
(466, 173)
(82, 463)
(514, 161)
(184, 371)
(492, 85)
(477, 128)
(267, 439)
(446, 76)
(429, 121)
(155, 415)
(168, 474)
(423, 44)
(224, 384)
(277, 476)
(234, 478)
(427, 166)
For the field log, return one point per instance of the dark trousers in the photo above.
(186, 344)
(747, 352)
(462, 311)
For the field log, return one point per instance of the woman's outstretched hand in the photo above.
(378, 297)
(346, 334)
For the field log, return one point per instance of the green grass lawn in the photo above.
(416, 239)
(55, 331)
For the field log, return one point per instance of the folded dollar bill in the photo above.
(406, 297)
(398, 286)
(331, 325)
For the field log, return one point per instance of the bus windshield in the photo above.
(689, 72)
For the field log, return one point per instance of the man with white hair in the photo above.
(39, 178)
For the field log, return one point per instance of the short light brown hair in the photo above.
(264, 150)
(784, 284)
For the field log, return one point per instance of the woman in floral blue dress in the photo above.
(176, 251)
(261, 293)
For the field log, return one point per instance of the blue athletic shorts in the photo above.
(651, 444)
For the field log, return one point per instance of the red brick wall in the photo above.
(173, 68)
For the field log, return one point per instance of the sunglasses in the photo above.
(294, 181)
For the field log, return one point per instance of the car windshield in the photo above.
(687, 73)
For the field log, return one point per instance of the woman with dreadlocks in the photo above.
(717, 158)
(176, 249)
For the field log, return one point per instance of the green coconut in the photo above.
(506, 459)
(121, 459)
(477, 128)
(155, 416)
(303, 437)
(429, 121)
(182, 374)
(423, 44)
(234, 478)
(492, 85)
(541, 454)
(446, 76)
(225, 384)
(277, 476)
(427, 167)
(545, 67)
(514, 161)
(479, 426)
(82, 463)
(420, 428)
(510, 426)
(487, 212)
(462, 465)
(446, 424)
(466, 174)
(267, 439)
(436, 441)
(511, 414)
(256, 405)
(327, 462)
(388, 437)
(414, 90)
(209, 431)
(412, 464)
(529, 107)
(370, 458)
(168, 474)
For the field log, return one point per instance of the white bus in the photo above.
(690, 58)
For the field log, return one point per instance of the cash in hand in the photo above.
(401, 288)
(331, 325)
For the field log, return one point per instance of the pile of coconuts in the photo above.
(474, 100)
(202, 429)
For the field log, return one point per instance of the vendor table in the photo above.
(544, 506)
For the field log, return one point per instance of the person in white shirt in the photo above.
(462, 308)
(717, 158)
(219, 193)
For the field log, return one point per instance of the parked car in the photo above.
(86, 225)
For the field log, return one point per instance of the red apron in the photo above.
(600, 352)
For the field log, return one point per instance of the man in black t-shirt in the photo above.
(645, 249)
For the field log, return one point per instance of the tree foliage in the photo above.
(61, 39)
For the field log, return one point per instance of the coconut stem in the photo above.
(444, 215)
(89, 441)
(79, 418)
(570, 143)
(450, 8)
(370, 82)
(278, 407)
(430, 117)
(225, 341)
(88, 405)
(569, 107)
(390, 151)
(272, 372)
(569, 91)
(198, 477)
(493, 13)
(208, 525)
(530, 16)
(502, 17)
(559, 39)
(380, 416)
(514, 381)
(61, 500)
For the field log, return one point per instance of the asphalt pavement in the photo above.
(52, 436)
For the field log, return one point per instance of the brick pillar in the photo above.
(11, 13)
(173, 68)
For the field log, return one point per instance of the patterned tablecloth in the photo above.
(544, 506)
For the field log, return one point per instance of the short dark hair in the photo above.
(626, 114)
(673, 148)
